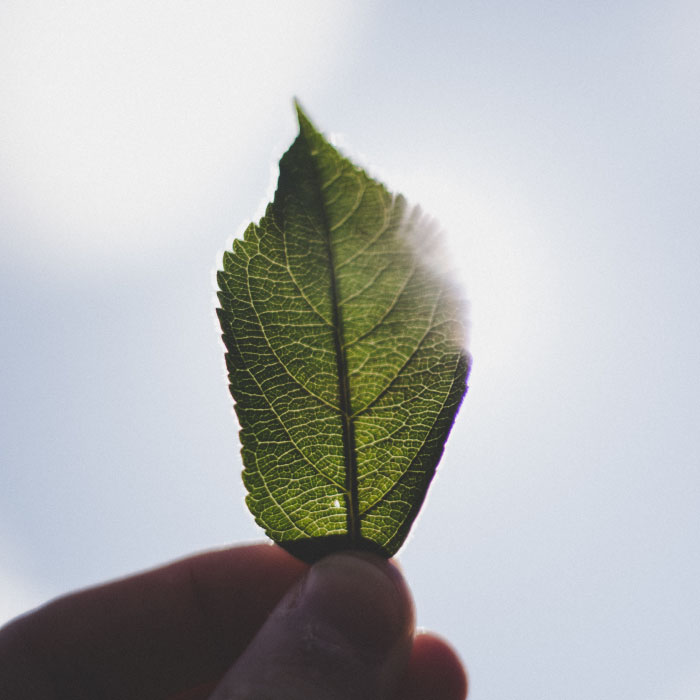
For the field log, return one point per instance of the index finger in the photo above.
(149, 636)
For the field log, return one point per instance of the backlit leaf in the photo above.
(345, 352)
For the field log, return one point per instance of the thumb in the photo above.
(343, 632)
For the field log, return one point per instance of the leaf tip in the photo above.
(304, 122)
(297, 106)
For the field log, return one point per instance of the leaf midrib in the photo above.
(349, 445)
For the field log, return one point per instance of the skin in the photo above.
(234, 624)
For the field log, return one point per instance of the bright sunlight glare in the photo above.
(120, 116)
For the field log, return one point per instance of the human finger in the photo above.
(343, 632)
(434, 671)
(151, 636)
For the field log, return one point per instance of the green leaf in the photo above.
(345, 355)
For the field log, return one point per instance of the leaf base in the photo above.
(312, 549)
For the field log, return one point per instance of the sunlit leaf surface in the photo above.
(345, 355)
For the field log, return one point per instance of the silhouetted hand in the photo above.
(246, 623)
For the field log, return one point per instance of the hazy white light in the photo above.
(117, 116)
(17, 593)
(499, 251)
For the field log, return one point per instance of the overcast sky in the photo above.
(557, 144)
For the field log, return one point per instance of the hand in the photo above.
(247, 623)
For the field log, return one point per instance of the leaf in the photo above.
(345, 356)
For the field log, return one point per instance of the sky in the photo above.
(556, 143)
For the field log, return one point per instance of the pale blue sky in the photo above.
(557, 143)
